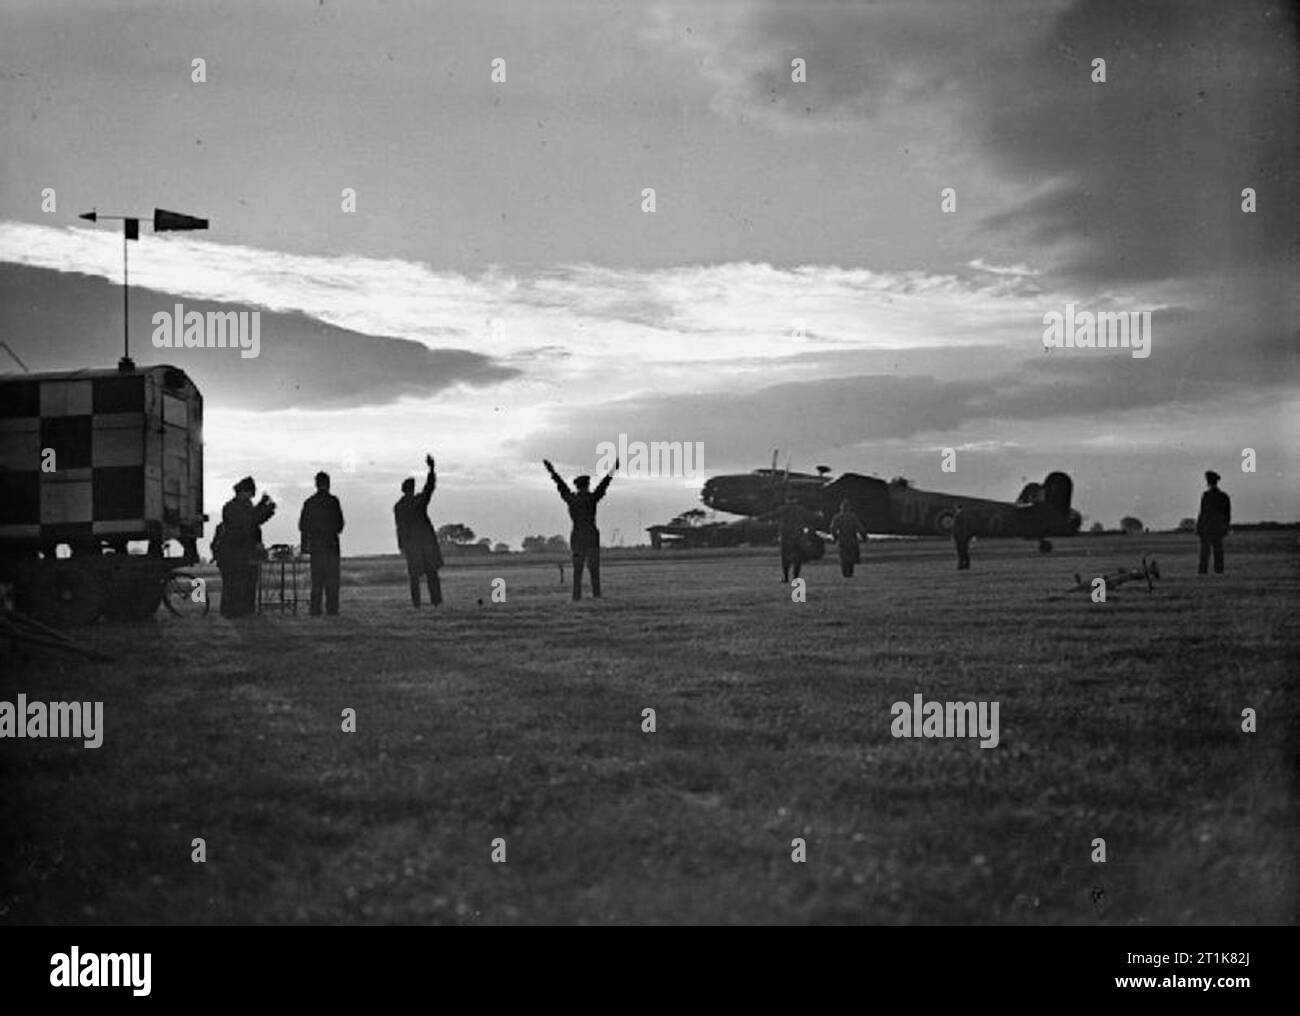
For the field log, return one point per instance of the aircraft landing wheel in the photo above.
(1044, 546)
(66, 596)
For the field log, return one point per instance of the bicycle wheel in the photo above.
(186, 595)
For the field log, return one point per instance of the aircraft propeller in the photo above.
(785, 476)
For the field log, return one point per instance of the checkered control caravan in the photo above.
(100, 454)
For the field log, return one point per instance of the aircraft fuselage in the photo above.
(898, 508)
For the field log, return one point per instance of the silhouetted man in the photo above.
(320, 523)
(416, 537)
(1212, 523)
(793, 522)
(961, 535)
(239, 547)
(845, 529)
(584, 540)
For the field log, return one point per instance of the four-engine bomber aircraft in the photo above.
(895, 507)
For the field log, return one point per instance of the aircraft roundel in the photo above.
(943, 522)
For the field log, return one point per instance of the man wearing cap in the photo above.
(320, 523)
(241, 529)
(416, 538)
(1212, 523)
(584, 540)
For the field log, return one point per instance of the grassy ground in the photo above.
(522, 720)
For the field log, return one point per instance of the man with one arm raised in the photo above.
(416, 537)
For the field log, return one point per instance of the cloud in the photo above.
(354, 331)
(1185, 369)
(864, 62)
(1136, 179)
(1014, 270)
(59, 319)
(373, 361)
(648, 323)
(1198, 103)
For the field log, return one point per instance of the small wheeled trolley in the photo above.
(278, 580)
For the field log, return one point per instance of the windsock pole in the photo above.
(163, 221)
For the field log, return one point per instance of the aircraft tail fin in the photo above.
(1058, 489)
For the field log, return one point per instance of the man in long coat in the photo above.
(416, 538)
(237, 554)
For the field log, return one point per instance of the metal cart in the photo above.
(278, 580)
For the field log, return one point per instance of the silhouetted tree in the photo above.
(691, 517)
(1130, 525)
(455, 532)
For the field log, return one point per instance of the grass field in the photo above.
(522, 720)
